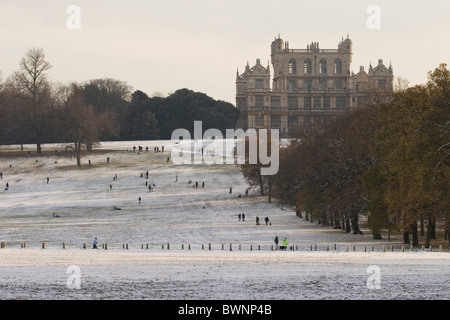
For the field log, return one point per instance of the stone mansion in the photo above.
(308, 86)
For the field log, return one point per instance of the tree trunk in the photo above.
(261, 185)
(78, 153)
(428, 234)
(38, 147)
(89, 146)
(415, 236)
(433, 229)
(422, 227)
(348, 229)
(377, 235)
(355, 225)
(406, 237)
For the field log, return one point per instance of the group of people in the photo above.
(241, 217)
(266, 219)
(194, 185)
(155, 149)
(284, 246)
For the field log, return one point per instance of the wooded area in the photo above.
(35, 110)
(389, 162)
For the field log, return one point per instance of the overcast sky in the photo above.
(198, 44)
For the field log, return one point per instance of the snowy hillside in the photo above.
(77, 205)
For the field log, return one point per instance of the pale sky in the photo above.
(199, 44)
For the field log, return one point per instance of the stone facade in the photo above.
(308, 86)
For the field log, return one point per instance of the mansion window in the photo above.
(292, 120)
(259, 119)
(308, 84)
(259, 83)
(338, 66)
(326, 102)
(338, 84)
(316, 102)
(307, 102)
(341, 102)
(275, 102)
(292, 66)
(323, 84)
(275, 120)
(382, 83)
(259, 101)
(292, 102)
(292, 85)
(323, 66)
(307, 67)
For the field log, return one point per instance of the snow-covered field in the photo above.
(77, 205)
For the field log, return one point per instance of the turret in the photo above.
(346, 46)
(276, 47)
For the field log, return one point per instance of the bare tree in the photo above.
(79, 121)
(82, 124)
(32, 86)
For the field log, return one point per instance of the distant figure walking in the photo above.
(266, 219)
(94, 245)
(231, 190)
(1, 175)
(276, 242)
(239, 217)
(243, 217)
(48, 179)
(257, 220)
(139, 200)
(7, 186)
(285, 243)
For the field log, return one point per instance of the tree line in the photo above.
(35, 110)
(387, 161)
